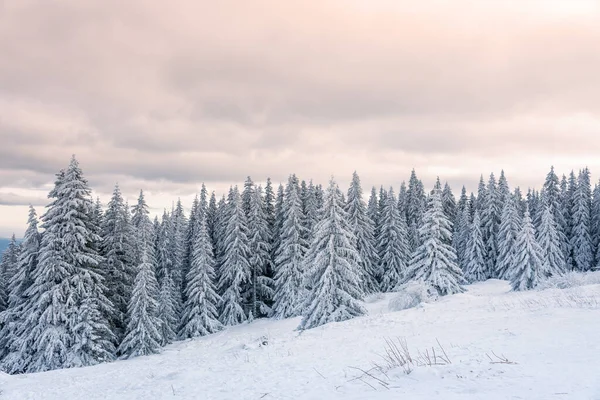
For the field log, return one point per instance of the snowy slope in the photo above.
(551, 335)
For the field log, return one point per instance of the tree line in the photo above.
(98, 283)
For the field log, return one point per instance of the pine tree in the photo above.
(373, 209)
(402, 198)
(179, 223)
(581, 242)
(475, 267)
(490, 222)
(144, 230)
(392, 245)
(461, 237)
(434, 261)
(67, 310)
(118, 249)
(167, 312)
(200, 316)
(503, 190)
(310, 211)
(449, 203)
(143, 335)
(595, 229)
(278, 222)
(211, 216)
(507, 238)
(553, 197)
(335, 267)
(415, 207)
(362, 228)
(529, 259)
(235, 270)
(8, 268)
(568, 188)
(549, 240)
(289, 269)
(14, 351)
(259, 294)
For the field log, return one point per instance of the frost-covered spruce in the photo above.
(310, 210)
(200, 315)
(259, 293)
(595, 228)
(392, 245)
(507, 238)
(289, 268)
(278, 221)
(143, 335)
(334, 267)
(402, 198)
(363, 228)
(528, 266)
(14, 352)
(118, 249)
(475, 267)
(461, 235)
(235, 271)
(167, 311)
(66, 309)
(490, 222)
(434, 261)
(581, 242)
(549, 241)
(373, 209)
(9, 261)
(144, 230)
(449, 203)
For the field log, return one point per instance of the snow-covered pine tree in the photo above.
(220, 231)
(167, 311)
(200, 316)
(235, 270)
(472, 206)
(289, 268)
(528, 265)
(449, 203)
(8, 266)
(415, 208)
(373, 208)
(259, 293)
(392, 245)
(67, 310)
(434, 261)
(14, 351)
(320, 195)
(197, 211)
(278, 221)
(507, 238)
(402, 198)
(549, 240)
(481, 202)
(581, 242)
(334, 267)
(503, 190)
(179, 223)
(363, 229)
(490, 222)
(143, 335)
(568, 188)
(474, 262)
(211, 216)
(595, 228)
(310, 210)
(460, 239)
(118, 248)
(144, 230)
(553, 197)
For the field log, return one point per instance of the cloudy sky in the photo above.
(166, 95)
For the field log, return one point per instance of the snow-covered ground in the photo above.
(551, 336)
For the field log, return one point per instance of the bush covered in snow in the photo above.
(412, 294)
(569, 280)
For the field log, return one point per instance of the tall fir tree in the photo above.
(490, 222)
(392, 245)
(334, 272)
(8, 268)
(528, 266)
(581, 242)
(475, 266)
(118, 248)
(259, 293)
(449, 203)
(415, 208)
(143, 336)
(569, 188)
(553, 197)
(200, 315)
(373, 208)
(595, 228)
(15, 351)
(434, 261)
(363, 229)
(289, 268)
(235, 270)
(211, 216)
(549, 240)
(402, 198)
(67, 310)
(461, 235)
(278, 222)
(507, 238)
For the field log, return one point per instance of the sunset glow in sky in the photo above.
(164, 96)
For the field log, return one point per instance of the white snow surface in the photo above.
(552, 336)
